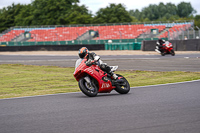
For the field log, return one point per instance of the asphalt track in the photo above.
(171, 108)
(183, 62)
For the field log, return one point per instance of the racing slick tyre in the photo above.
(89, 89)
(163, 53)
(172, 52)
(124, 87)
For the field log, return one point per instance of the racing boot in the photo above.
(116, 78)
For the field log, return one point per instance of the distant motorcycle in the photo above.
(92, 80)
(166, 49)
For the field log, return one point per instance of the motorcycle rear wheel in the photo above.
(89, 90)
(123, 89)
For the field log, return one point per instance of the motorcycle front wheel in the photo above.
(163, 53)
(124, 87)
(172, 52)
(89, 89)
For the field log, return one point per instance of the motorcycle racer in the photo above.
(92, 79)
(159, 45)
(85, 54)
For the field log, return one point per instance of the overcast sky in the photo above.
(95, 5)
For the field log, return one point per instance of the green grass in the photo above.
(18, 80)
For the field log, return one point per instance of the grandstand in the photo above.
(94, 34)
(7, 37)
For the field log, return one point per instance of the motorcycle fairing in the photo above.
(97, 73)
(168, 45)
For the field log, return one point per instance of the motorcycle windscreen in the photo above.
(78, 62)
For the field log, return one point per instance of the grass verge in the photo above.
(18, 80)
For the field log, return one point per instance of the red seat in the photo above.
(11, 35)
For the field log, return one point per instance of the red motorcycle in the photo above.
(166, 49)
(92, 80)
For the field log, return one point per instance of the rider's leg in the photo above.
(160, 48)
(107, 69)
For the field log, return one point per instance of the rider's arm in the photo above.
(88, 62)
(93, 55)
(163, 41)
(93, 59)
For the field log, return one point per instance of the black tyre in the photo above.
(89, 90)
(124, 88)
(163, 53)
(172, 52)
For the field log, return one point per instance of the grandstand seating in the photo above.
(105, 32)
(120, 31)
(10, 35)
(175, 28)
(57, 34)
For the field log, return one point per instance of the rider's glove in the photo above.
(89, 62)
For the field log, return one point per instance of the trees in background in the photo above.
(162, 12)
(114, 13)
(57, 12)
(44, 12)
(63, 12)
(197, 21)
(185, 9)
(7, 16)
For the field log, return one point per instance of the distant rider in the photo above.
(159, 45)
(85, 54)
